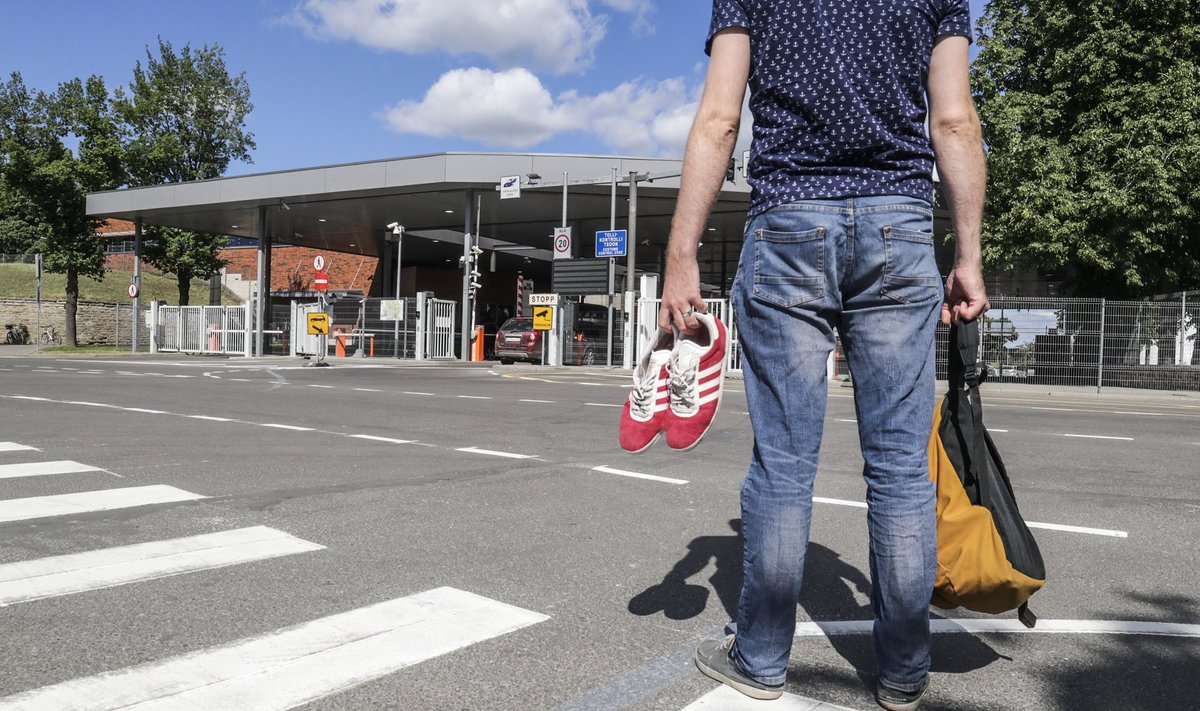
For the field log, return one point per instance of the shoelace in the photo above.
(683, 381)
(644, 393)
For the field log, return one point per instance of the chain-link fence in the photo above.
(1089, 342)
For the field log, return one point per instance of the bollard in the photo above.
(339, 348)
(477, 345)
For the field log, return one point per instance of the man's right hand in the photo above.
(966, 298)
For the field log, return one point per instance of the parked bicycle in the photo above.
(16, 334)
(50, 337)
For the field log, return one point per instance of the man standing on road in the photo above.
(839, 236)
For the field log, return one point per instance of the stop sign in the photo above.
(321, 280)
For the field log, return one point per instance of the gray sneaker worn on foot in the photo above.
(894, 700)
(712, 658)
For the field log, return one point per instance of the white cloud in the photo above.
(512, 109)
(558, 36)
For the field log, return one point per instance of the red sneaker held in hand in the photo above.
(646, 409)
(696, 380)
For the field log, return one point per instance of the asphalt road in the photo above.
(506, 483)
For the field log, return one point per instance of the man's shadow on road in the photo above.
(830, 584)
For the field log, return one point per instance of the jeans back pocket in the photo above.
(910, 274)
(789, 267)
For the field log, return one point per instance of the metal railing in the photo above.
(201, 329)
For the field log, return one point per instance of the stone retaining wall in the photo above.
(95, 322)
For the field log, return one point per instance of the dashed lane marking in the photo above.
(376, 438)
(494, 453)
(64, 466)
(1032, 524)
(602, 404)
(145, 410)
(1053, 409)
(210, 418)
(410, 392)
(474, 397)
(326, 387)
(1082, 436)
(639, 475)
(89, 501)
(17, 447)
(295, 665)
(985, 626)
(294, 428)
(367, 390)
(546, 402)
(108, 567)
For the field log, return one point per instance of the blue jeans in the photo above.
(864, 266)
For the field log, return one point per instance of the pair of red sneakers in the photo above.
(677, 387)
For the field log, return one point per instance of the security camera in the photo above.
(396, 228)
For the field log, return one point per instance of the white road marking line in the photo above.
(724, 698)
(179, 376)
(409, 392)
(327, 387)
(1031, 524)
(637, 475)
(66, 368)
(142, 409)
(210, 418)
(546, 402)
(602, 404)
(85, 403)
(994, 430)
(296, 665)
(1078, 529)
(285, 427)
(108, 567)
(368, 390)
(242, 380)
(992, 626)
(840, 502)
(1052, 409)
(474, 397)
(88, 501)
(1131, 412)
(494, 453)
(1079, 436)
(382, 439)
(16, 447)
(30, 397)
(65, 466)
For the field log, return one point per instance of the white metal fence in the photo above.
(202, 330)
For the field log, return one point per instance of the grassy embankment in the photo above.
(20, 281)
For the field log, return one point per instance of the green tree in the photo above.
(185, 119)
(45, 182)
(1090, 111)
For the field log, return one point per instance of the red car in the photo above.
(516, 340)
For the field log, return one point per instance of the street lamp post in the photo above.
(398, 238)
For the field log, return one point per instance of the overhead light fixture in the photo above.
(352, 245)
(448, 212)
(284, 205)
(712, 229)
(320, 219)
(233, 227)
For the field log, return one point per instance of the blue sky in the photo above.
(336, 81)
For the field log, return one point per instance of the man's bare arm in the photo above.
(709, 147)
(958, 144)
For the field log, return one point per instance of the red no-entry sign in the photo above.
(321, 280)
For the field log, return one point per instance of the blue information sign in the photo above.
(610, 243)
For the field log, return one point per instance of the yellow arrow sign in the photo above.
(318, 324)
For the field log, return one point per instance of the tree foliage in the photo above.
(1090, 111)
(184, 117)
(44, 183)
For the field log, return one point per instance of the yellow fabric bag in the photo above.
(988, 561)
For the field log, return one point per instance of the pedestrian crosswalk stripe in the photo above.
(15, 447)
(66, 466)
(296, 665)
(77, 572)
(88, 501)
(726, 699)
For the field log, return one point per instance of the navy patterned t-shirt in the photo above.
(837, 91)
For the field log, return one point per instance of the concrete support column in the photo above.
(259, 301)
(137, 278)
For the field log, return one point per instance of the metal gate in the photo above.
(436, 337)
(302, 343)
(200, 329)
